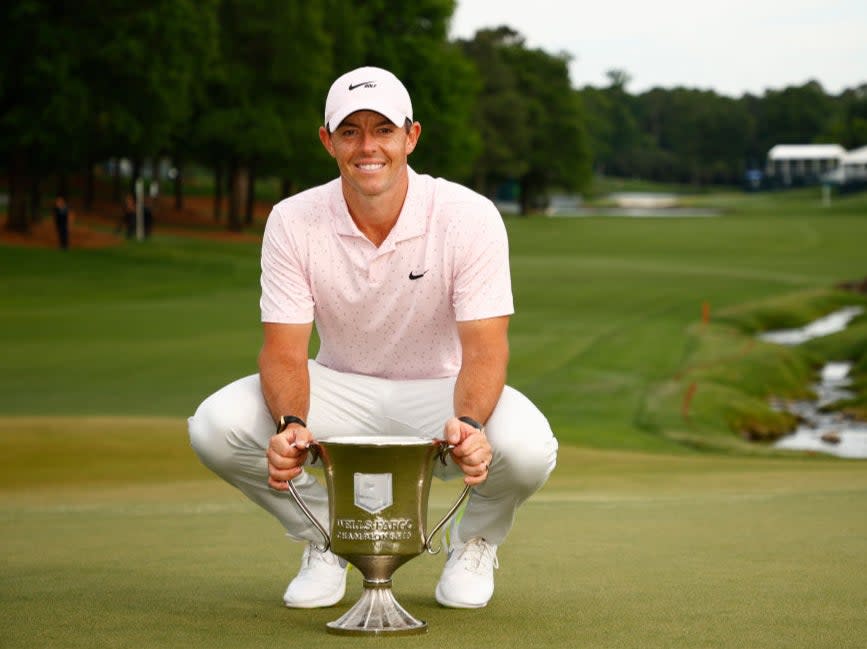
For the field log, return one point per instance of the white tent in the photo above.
(789, 162)
(806, 152)
(853, 168)
(855, 164)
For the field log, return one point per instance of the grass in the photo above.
(121, 539)
(131, 330)
(604, 311)
(113, 535)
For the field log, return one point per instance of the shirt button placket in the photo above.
(376, 269)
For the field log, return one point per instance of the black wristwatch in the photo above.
(285, 420)
(472, 422)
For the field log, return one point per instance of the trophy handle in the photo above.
(427, 544)
(314, 448)
(443, 452)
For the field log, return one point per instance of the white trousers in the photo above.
(231, 429)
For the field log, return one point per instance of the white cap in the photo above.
(367, 89)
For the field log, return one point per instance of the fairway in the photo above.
(602, 310)
(620, 550)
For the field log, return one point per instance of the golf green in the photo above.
(620, 549)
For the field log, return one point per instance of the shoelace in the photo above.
(311, 555)
(478, 556)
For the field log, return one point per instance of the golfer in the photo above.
(406, 278)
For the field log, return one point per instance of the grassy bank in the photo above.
(728, 375)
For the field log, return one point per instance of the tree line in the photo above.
(700, 137)
(238, 86)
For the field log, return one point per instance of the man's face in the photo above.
(370, 151)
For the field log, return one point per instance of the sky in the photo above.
(731, 46)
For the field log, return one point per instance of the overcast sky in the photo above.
(730, 46)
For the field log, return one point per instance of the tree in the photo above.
(558, 154)
(144, 66)
(97, 79)
(848, 127)
(43, 101)
(543, 126)
(411, 40)
(266, 95)
(612, 129)
(699, 136)
(793, 115)
(264, 92)
(501, 113)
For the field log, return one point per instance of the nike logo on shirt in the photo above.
(412, 275)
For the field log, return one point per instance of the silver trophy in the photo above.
(378, 492)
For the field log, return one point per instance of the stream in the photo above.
(831, 432)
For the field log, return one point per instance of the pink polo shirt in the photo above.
(389, 311)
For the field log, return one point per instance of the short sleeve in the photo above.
(482, 280)
(286, 294)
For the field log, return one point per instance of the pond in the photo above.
(631, 205)
(623, 204)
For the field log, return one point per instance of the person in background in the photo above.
(128, 217)
(62, 221)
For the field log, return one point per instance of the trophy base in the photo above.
(377, 613)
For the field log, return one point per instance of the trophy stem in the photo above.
(377, 613)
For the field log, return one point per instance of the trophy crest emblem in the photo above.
(373, 491)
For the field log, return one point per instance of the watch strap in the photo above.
(472, 422)
(286, 420)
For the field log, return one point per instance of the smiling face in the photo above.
(371, 154)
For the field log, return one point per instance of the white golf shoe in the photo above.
(320, 582)
(468, 577)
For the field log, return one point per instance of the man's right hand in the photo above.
(287, 453)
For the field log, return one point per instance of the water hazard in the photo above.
(825, 432)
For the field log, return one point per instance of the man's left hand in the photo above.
(472, 452)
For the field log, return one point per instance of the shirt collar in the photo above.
(410, 224)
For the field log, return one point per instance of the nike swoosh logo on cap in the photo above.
(353, 86)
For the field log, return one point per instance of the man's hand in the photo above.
(287, 453)
(471, 452)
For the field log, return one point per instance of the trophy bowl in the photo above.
(378, 490)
